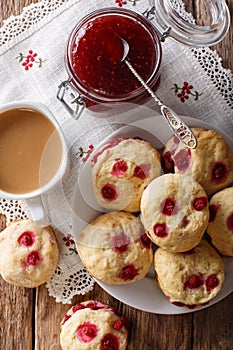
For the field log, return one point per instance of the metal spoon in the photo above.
(178, 127)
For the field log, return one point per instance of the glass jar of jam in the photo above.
(93, 59)
(99, 79)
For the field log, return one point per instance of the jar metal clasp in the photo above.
(74, 102)
(150, 14)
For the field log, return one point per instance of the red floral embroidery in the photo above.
(69, 242)
(28, 60)
(185, 91)
(87, 153)
(120, 3)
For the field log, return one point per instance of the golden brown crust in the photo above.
(191, 278)
(210, 163)
(220, 227)
(112, 248)
(89, 324)
(28, 253)
(182, 228)
(128, 166)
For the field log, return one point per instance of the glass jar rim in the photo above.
(90, 93)
(166, 17)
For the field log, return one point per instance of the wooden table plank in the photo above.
(16, 317)
(207, 329)
(213, 327)
(15, 302)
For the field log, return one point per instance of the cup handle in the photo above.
(37, 211)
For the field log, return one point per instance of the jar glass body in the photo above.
(93, 94)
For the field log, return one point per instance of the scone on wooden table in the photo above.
(122, 168)
(210, 163)
(28, 253)
(115, 249)
(220, 227)
(174, 212)
(92, 325)
(190, 278)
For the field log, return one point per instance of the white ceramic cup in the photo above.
(34, 198)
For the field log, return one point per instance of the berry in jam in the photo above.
(230, 222)
(183, 160)
(200, 203)
(169, 207)
(109, 342)
(66, 318)
(34, 258)
(128, 272)
(27, 238)
(213, 209)
(77, 307)
(212, 282)
(146, 242)
(86, 332)
(160, 230)
(120, 243)
(119, 168)
(167, 163)
(142, 171)
(194, 282)
(219, 172)
(109, 192)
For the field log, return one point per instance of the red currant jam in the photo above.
(95, 52)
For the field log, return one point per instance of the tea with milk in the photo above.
(30, 150)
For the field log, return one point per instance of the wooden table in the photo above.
(29, 319)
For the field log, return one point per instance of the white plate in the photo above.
(144, 294)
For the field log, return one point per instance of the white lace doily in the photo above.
(70, 277)
(15, 26)
(13, 210)
(212, 64)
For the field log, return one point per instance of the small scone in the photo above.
(121, 170)
(115, 249)
(220, 227)
(190, 278)
(174, 212)
(28, 253)
(210, 163)
(94, 326)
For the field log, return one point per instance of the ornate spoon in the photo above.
(178, 127)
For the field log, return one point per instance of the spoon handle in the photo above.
(178, 126)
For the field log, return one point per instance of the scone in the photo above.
(28, 253)
(220, 227)
(121, 170)
(174, 212)
(94, 326)
(190, 278)
(210, 163)
(115, 249)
